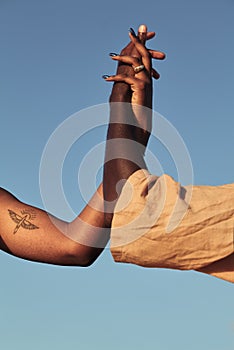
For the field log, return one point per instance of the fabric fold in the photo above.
(159, 223)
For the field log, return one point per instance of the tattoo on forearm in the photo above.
(23, 219)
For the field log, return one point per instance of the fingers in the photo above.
(158, 55)
(135, 54)
(146, 57)
(155, 74)
(130, 80)
(150, 35)
(142, 33)
(134, 61)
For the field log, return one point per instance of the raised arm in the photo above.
(31, 233)
(130, 123)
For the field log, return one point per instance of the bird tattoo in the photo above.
(23, 221)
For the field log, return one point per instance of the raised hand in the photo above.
(133, 81)
(121, 91)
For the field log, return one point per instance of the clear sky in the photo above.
(53, 54)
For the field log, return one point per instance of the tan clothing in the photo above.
(159, 223)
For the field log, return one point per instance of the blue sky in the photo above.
(53, 54)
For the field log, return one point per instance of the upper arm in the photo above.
(29, 233)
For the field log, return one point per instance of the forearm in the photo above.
(130, 123)
(123, 154)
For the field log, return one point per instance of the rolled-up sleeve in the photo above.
(159, 223)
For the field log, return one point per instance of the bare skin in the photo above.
(127, 122)
(29, 233)
(47, 242)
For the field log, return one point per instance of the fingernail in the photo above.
(132, 32)
(105, 76)
(142, 28)
(113, 54)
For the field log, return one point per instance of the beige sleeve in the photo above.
(159, 223)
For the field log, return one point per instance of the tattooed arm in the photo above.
(32, 234)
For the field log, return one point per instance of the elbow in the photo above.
(78, 261)
(82, 256)
(86, 262)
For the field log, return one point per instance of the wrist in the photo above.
(121, 92)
